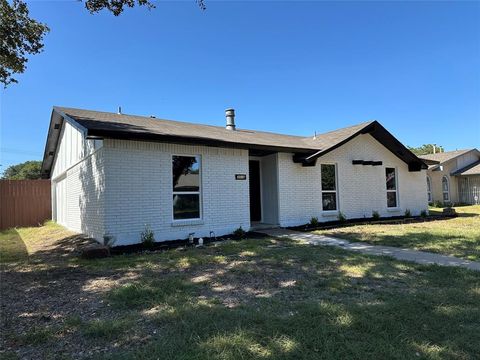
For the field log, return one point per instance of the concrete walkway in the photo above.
(420, 257)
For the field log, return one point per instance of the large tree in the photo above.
(426, 149)
(20, 35)
(26, 170)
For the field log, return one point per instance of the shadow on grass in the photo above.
(65, 247)
(252, 299)
(12, 247)
(339, 306)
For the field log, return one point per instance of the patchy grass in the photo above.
(105, 329)
(19, 244)
(298, 302)
(457, 236)
(251, 299)
(12, 247)
(36, 336)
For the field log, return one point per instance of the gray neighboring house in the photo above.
(113, 173)
(453, 177)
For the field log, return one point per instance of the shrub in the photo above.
(240, 233)
(408, 213)
(438, 204)
(423, 214)
(313, 222)
(147, 237)
(375, 215)
(341, 217)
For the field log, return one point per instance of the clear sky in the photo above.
(291, 66)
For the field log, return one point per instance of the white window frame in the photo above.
(429, 189)
(397, 205)
(330, 191)
(199, 192)
(448, 189)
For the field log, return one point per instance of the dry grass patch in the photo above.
(251, 299)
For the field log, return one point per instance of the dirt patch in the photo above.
(49, 299)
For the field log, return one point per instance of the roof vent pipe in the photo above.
(119, 110)
(230, 115)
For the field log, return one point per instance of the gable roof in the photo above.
(104, 124)
(97, 124)
(472, 169)
(442, 157)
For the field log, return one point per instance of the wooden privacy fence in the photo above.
(24, 202)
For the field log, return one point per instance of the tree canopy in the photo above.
(20, 35)
(27, 170)
(426, 149)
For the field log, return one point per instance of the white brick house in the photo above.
(114, 173)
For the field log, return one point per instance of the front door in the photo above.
(255, 201)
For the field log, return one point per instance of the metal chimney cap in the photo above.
(230, 116)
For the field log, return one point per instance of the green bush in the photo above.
(423, 214)
(314, 221)
(147, 236)
(239, 233)
(341, 217)
(375, 215)
(408, 213)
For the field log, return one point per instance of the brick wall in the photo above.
(139, 190)
(361, 189)
(78, 183)
(85, 183)
(126, 184)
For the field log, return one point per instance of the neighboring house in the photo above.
(114, 173)
(453, 176)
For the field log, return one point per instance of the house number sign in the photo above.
(240, 176)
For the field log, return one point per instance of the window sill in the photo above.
(330, 213)
(395, 209)
(187, 222)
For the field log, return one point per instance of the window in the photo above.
(391, 182)
(429, 189)
(445, 189)
(329, 187)
(186, 187)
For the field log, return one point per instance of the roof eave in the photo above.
(54, 130)
(57, 119)
(189, 140)
(381, 135)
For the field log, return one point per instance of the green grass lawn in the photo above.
(12, 247)
(457, 236)
(252, 299)
(47, 242)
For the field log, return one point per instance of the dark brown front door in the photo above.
(255, 202)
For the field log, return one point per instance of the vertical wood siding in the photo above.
(24, 202)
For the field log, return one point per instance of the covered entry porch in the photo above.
(263, 194)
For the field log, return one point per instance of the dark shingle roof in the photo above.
(99, 124)
(132, 126)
